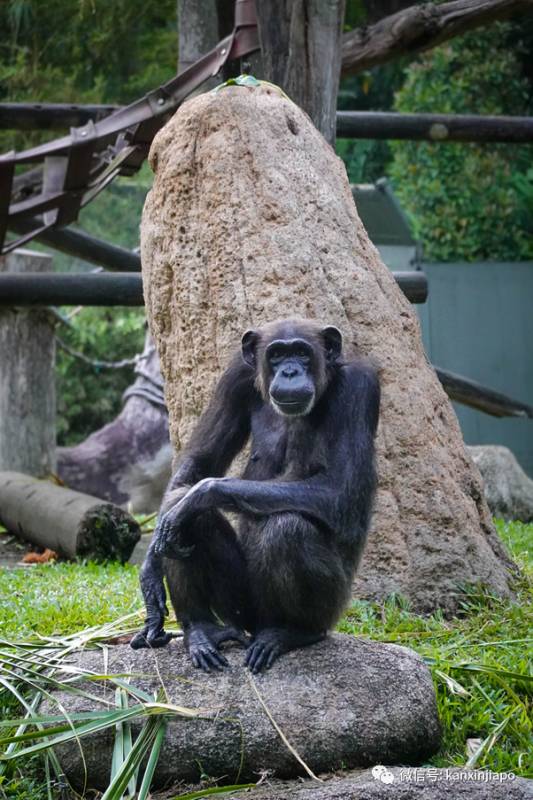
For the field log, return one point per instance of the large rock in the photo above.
(400, 783)
(508, 490)
(112, 462)
(251, 218)
(342, 703)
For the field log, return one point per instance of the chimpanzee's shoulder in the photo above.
(361, 374)
(236, 384)
(360, 392)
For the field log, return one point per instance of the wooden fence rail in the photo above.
(350, 124)
(434, 127)
(121, 289)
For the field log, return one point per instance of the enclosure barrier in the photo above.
(434, 127)
(112, 289)
(350, 124)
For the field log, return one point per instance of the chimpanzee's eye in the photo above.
(302, 353)
(275, 354)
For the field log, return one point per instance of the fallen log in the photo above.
(72, 524)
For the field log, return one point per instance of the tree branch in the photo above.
(420, 28)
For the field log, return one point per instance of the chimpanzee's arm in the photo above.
(220, 434)
(222, 430)
(337, 497)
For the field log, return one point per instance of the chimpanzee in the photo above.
(304, 501)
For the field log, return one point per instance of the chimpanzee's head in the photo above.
(293, 360)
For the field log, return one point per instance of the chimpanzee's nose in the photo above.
(289, 371)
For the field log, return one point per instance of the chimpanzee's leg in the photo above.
(208, 585)
(299, 588)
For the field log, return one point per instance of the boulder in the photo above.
(342, 703)
(401, 783)
(508, 490)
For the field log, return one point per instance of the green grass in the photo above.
(480, 660)
(64, 598)
(482, 649)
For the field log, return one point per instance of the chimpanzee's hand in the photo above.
(170, 525)
(153, 589)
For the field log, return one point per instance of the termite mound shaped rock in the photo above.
(250, 219)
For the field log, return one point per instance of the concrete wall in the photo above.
(478, 322)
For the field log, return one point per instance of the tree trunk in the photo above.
(251, 218)
(27, 378)
(72, 524)
(420, 27)
(127, 460)
(106, 463)
(301, 50)
(197, 32)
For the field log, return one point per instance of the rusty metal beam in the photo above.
(50, 116)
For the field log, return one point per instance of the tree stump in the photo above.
(27, 378)
(250, 219)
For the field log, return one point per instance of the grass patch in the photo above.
(476, 660)
(480, 660)
(62, 598)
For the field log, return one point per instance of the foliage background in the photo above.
(467, 201)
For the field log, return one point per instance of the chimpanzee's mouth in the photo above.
(293, 408)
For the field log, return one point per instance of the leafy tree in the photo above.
(463, 198)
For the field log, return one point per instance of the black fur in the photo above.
(304, 501)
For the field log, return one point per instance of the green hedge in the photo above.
(467, 201)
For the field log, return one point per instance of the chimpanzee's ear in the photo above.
(332, 342)
(249, 343)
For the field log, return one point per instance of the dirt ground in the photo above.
(12, 550)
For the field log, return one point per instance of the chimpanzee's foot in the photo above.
(270, 643)
(202, 640)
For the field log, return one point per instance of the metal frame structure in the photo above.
(77, 167)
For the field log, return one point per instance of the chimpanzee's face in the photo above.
(291, 359)
(291, 385)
